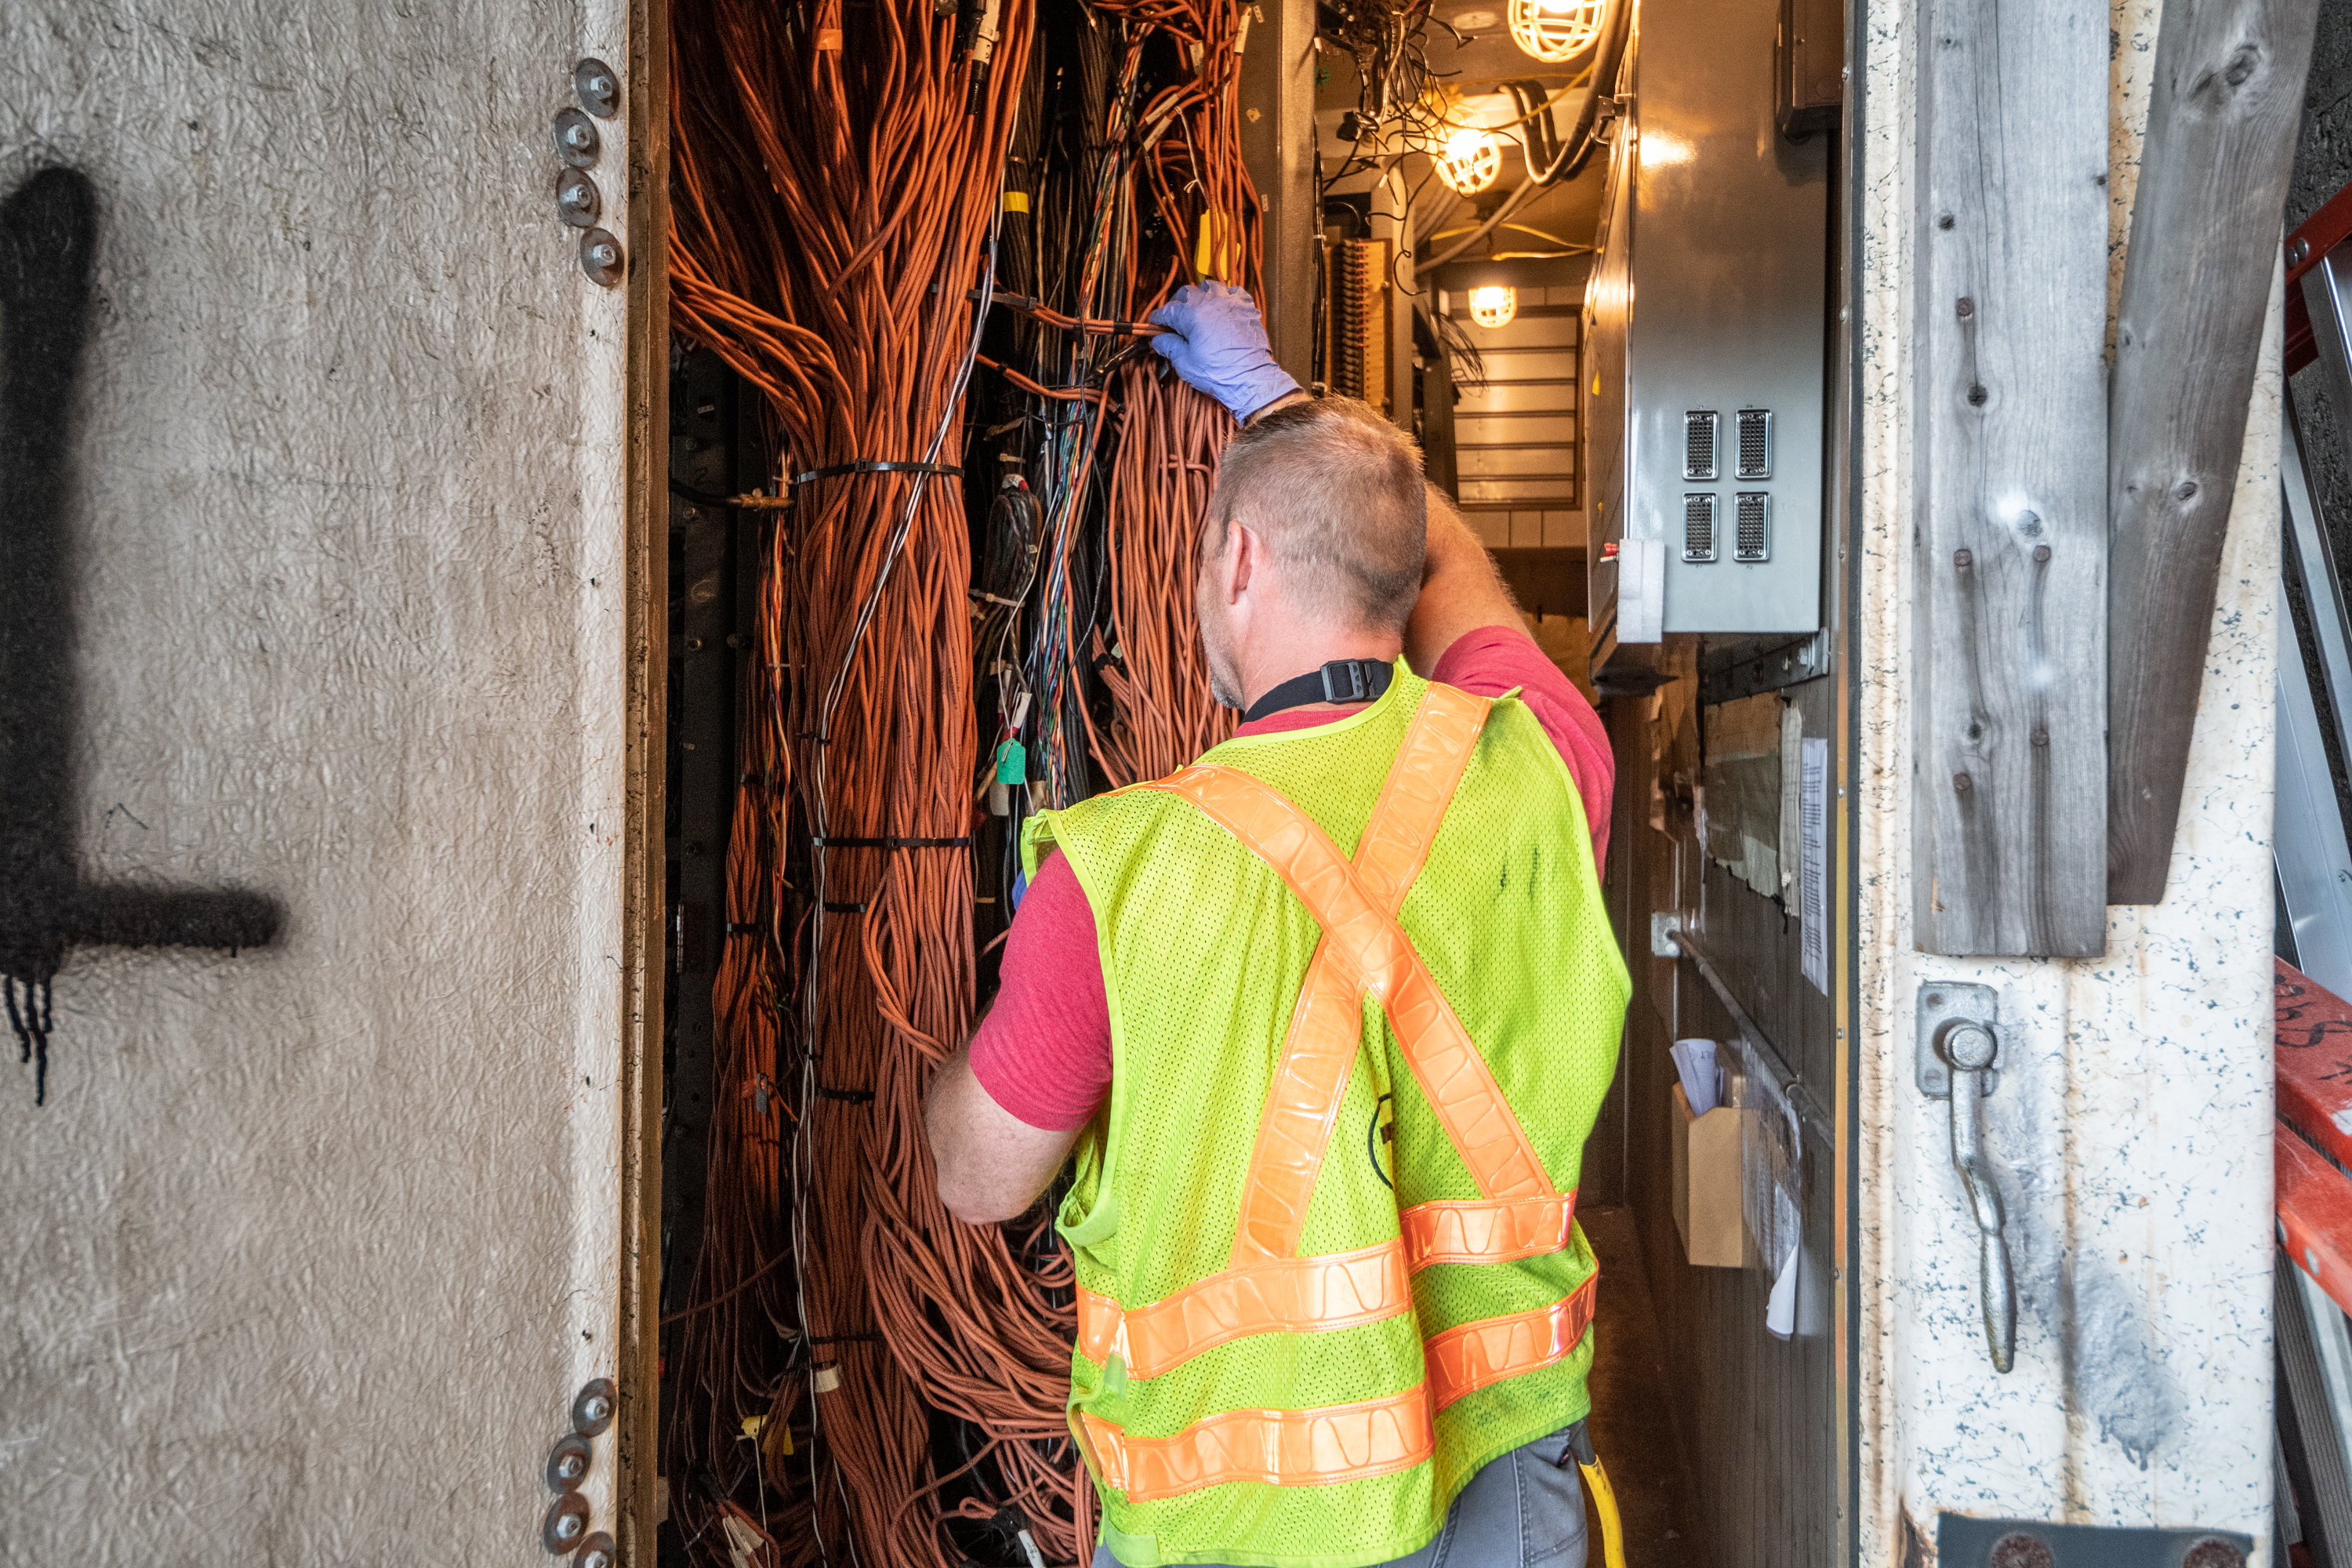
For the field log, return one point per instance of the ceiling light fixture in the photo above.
(1555, 31)
(1469, 160)
(1494, 304)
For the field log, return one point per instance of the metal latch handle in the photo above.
(1969, 1049)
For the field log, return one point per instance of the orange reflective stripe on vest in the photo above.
(1303, 1295)
(1373, 954)
(1341, 1442)
(1466, 1359)
(1278, 1448)
(1294, 1295)
(1477, 1232)
(1326, 1022)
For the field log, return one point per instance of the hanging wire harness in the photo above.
(895, 221)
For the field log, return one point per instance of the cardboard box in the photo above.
(1707, 1186)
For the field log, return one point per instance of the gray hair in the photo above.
(1335, 492)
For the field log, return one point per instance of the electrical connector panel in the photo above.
(1356, 350)
(1705, 325)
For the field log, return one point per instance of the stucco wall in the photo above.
(2133, 1115)
(312, 1245)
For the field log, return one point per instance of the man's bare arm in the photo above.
(1460, 589)
(991, 1163)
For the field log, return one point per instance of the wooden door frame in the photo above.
(646, 676)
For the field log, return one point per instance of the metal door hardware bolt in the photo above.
(566, 1525)
(1664, 924)
(567, 1465)
(576, 201)
(1956, 1024)
(576, 141)
(597, 1552)
(593, 1407)
(600, 258)
(599, 87)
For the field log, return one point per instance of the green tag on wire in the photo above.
(1012, 762)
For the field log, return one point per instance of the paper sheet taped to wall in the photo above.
(1813, 906)
(1773, 1157)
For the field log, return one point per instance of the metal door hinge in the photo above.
(1964, 1541)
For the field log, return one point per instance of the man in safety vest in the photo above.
(1327, 1016)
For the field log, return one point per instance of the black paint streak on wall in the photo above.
(48, 235)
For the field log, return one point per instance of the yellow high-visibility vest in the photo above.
(1364, 1006)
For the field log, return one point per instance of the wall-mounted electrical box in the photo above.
(1705, 326)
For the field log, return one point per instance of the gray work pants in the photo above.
(1524, 1509)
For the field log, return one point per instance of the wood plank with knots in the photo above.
(2223, 117)
(2009, 640)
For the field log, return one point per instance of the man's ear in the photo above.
(1249, 559)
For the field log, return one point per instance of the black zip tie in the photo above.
(744, 927)
(890, 843)
(847, 1096)
(844, 1339)
(845, 909)
(867, 466)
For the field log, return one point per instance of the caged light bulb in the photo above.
(1555, 31)
(1493, 305)
(1469, 160)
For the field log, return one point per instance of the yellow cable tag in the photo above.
(828, 38)
(1016, 200)
(1213, 249)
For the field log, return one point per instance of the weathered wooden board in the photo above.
(2009, 643)
(2222, 124)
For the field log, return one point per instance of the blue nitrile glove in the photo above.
(1216, 340)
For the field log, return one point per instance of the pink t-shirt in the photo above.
(1043, 1052)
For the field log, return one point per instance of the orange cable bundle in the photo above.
(1166, 466)
(837, 182)
(740, 1289)
(836, 186)
(1170, 436)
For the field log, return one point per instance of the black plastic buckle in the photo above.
(1345, 680)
